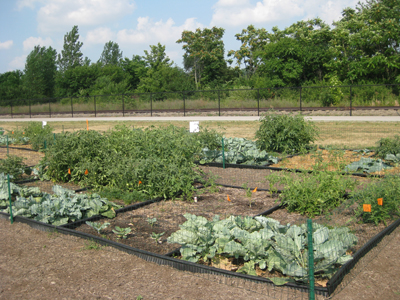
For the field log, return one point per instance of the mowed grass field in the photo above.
(350, 135)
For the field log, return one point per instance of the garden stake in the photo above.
(311, 294)
(7, 145)
(367, 207)
(9, 197)
(223, 154)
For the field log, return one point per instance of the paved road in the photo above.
(207, 118)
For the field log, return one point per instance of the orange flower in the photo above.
(255, 190)
(12, 132)
(380, 201)
(228, 198)
(86, 172)
(140, 182)
(367, 207)
(69, 171)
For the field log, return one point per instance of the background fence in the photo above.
(342, 100)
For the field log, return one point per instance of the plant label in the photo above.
(194, 126)
(367, 207)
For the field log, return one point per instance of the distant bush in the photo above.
(285, 133)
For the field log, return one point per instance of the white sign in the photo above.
(194, 126)
(44, 123)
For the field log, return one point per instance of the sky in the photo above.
(135, 25)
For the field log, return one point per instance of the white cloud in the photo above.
(56, 15)
(18, 63)
(6, 45)
(148, 31)
(242, 13)
(31, 42)
(27, 3)
(99, 35)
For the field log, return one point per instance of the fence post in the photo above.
(311, 294)
(300, 99)
(219, 105)
(351, 104)
(184, 105)
(258, 102)
(11, 109)
(95, 111)
(223, 154)
(123, 106)
(49, 108)
(151, 104)
(9, 198)
(72, 108)
(30, 111)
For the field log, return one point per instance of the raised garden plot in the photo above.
(170, 214)
(336, 160)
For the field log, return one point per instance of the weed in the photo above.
(151, 221)
(92, 245)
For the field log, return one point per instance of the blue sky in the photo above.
(135, 25)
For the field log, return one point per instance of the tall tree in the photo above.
(252, 42)
(111, 54)
(40, 71)
(71, 55)
(205, 53)
(157, 57)
(11, 85)
(366, 43)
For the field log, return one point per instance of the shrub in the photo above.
(388, 189)
(14, 166)
(37, 134)
(388, 146)
(285, 133)
(312, 194)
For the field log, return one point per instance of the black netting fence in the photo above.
(347, 100)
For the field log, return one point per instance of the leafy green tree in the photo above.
(71, 55)
(40, 71)
(295, 55)
(136, 68)
(157, 57)
(165, 79)
(365, 43)
(76, 81)
(11, 85)
(111, 54)
(204, 56)
(252, 42)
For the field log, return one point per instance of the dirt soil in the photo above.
(43, 265)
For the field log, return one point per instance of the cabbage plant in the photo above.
(238, 151)
(264, 242)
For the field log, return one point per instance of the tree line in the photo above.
(360, 48)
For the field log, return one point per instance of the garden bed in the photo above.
(170, 214)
